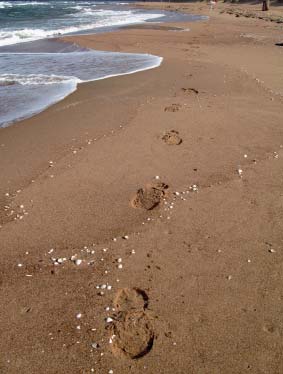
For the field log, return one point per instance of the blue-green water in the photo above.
(35, 72)
(30, 20)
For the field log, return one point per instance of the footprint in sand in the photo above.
(130, 298)
(150, 196)
(190, 91)
(172, 137)
(172, 108)
(132, 331)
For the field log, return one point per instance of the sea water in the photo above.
(36, 72)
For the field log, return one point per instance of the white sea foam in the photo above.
(5, 5)
(104, 18)
(10, 4)
(35, 79)
(23, 95)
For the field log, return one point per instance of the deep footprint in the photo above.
(149, 197)
(128, 299)
(172, 108)
(172, 137)
(190, 90)
(132, 335)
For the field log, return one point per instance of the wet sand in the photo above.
(84, 212)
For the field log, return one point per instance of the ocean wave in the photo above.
(5, 5)
(56, 75)
(9, 4)
(105, 18)
(35, 79)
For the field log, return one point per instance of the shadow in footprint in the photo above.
(172, 108)
(149, 197)
(132, 332)
(130, 298)
(172, 137)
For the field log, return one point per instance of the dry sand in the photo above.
(200, 262)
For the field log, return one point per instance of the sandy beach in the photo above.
(141, 217)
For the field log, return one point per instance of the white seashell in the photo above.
(78, 262)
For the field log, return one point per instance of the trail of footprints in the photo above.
(131, 329)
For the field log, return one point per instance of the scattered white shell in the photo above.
(271, 250)
(109, 320)
(79, 315)
(78, 262)
(240, 172)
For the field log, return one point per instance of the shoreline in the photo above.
(208, 256)
(53, 44)
(77, 81)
